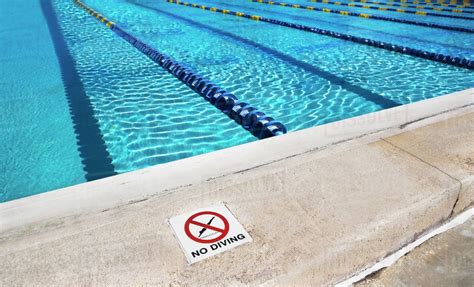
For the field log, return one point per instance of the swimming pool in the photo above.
(85, 104)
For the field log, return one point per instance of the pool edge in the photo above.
(138, 185)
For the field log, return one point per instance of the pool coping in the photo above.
(135, 186)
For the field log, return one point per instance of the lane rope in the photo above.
(428, 2)
(249, 117)
(454, 61)
(367, 16)
(404, 5)
(417, 13)
(333, 79)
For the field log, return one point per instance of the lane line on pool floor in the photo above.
(332, 78)
(249, 117)
(454, 61)
(457, 10)
(371, 16)
(96, 160)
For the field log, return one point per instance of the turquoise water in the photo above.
(424, 38)
(393, 14)
(146, 115)
(37, 143)
(466, 11)
(143, 116)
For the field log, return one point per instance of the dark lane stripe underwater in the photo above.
(286, 13)
(250, 118)
(91, 145)
(334, 79)
(454, 61)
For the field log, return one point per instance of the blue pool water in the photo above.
(393, 14)
(69, 83)
(434, 40)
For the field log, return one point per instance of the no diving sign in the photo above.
(208, 231)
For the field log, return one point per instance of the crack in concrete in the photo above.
(435, 167)
(400, 128)
(434, 115)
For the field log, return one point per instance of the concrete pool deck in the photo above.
(320, 204)
(447, 259)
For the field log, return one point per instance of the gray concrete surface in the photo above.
(445, 260)
(315, 218)
(448, 145)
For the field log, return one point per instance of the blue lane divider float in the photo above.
(459, 8)
(249, 117)
(450, 60)
(371, 16)
(368, 16)
(416, 13)
(429, 3)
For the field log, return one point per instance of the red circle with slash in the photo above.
(191, 221)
